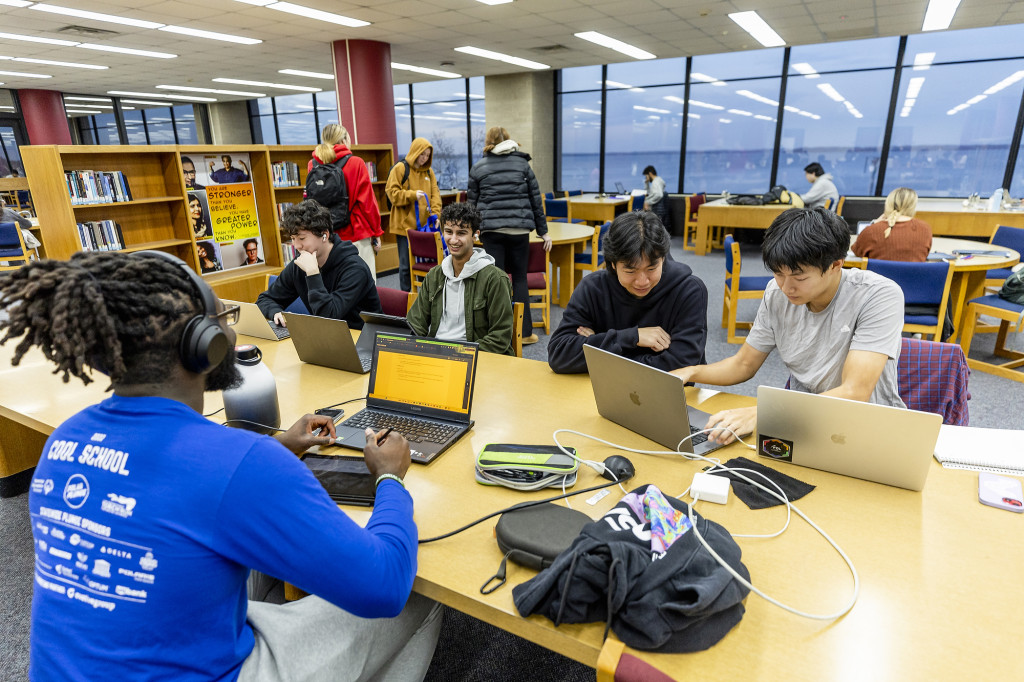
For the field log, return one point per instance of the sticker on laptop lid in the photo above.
(776, 448)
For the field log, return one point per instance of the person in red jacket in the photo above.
(363, 229)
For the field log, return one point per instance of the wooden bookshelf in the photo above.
(379, 154)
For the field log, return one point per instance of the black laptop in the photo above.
(420, 387)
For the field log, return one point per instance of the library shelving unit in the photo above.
(156, 217)
(380, 155)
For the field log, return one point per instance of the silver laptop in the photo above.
(863, 224)
(326, 342)
(252, 323)
(647, 401)
(889, 445)
(620, 188)
(420, 387)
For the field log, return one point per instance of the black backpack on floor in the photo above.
(326, 185)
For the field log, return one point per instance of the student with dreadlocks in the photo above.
(148, 517)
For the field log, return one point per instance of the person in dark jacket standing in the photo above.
(642, 306)
(505, 191)
(328, 274)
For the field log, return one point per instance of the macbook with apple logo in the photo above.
(647, 401)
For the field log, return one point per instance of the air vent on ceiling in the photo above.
(88, 31)
(548, 49)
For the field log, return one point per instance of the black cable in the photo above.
(214, 412)
(521, 505)
(344, 402)
(247, 421)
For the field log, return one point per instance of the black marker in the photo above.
(384, 437)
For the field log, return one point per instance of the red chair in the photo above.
(537, 282)
(394, 301)
(425, 252)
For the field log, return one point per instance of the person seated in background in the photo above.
(467, 297)
(837, 330)
(822, 188)
(656, 200)
(176, 509)
(642, 306)
(897, 234)
(328, 274)
(8, 215)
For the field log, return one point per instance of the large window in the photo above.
(292, 119)
(950, 124)
(10, 132)
(450, 114)
(145, 122)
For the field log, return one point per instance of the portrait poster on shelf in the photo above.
(223, 213)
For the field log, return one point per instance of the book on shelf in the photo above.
(286, 174)
(100, 235)
(371, 168)
(281, 208)
(288, 253)
(97, 187)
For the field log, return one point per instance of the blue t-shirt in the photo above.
(147, 518)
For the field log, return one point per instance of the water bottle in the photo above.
(254, 403)
(995, 202)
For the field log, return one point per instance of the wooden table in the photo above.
(968, 273)
(940, 573)
(947, 217)
(567, 239)
(596, 208)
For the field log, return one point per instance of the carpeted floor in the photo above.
(469, 650)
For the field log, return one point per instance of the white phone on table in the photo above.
(1001, 492)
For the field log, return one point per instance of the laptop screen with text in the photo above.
(429, 373)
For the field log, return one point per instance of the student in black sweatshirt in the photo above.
(643, 306)
(328, 274)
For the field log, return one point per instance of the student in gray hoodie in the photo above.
(466, 297)
(822, 187)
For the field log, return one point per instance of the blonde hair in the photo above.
(494, 137)
(332, 134)
(902, 201)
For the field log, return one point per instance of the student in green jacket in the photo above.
(466, 297)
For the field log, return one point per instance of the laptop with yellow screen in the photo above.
(421, 388)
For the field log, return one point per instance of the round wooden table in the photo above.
(567, 239)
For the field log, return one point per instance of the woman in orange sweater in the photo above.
(897, 234)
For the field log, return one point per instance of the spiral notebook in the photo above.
(997, 450)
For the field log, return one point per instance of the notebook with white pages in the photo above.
(999, 451)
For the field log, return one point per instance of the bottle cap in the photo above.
(248, 354)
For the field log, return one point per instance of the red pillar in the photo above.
(45, 119)
(366, 100)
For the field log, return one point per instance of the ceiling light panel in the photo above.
(95, 16)
(425, 71)
(758, 28)
(36, 39)
(70, 65)
(160, 94)
(183, 88)
(263, 84)
(211, 35)
(307, 74)
(498, 56)
(22, 74)
(319, 15)
(127, 50)
(614, 44)
(939, 15)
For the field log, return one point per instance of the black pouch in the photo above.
(534, 536)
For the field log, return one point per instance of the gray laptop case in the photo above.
(646, 400)
(889, 445)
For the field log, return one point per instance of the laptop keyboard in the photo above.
(280, 332)
(414, 430)
(699, 438)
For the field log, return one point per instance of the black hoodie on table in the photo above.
(678, 304)
(342, 290)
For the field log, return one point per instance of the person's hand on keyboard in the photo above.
(390, 457)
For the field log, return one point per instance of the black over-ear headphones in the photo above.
(204, 344)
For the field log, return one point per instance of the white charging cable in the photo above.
(716, 464)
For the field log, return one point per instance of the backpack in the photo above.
(1013, 288)
(405, 177)
(780, 195)
(326, 185)
(745, 200)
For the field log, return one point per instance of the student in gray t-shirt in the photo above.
(837, 331)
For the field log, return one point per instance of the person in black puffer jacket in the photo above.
(505, 191)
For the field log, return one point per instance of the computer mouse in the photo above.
(617, 468)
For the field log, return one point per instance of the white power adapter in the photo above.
(710, 488)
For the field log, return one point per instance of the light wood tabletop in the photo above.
(567, 239)
(940, 573)
(947, 217)
(597, 208)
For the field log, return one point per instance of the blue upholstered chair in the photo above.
(924, 285)
(559, 210)
(637, 203)
(737, 288)
(1010, 237)
(1010, 315)
(13, 253)
(296, 306)
(574, 193)
(593, 258)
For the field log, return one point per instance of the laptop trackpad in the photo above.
(350, 437)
